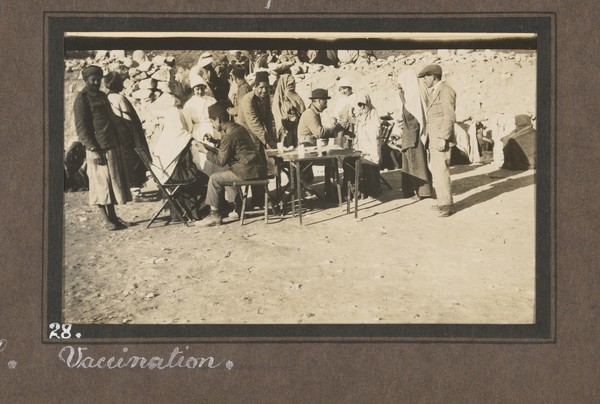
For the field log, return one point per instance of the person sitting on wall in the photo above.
(519, 145)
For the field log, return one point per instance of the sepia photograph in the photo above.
(289, 179)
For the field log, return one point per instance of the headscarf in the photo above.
(414, 102)
(367, 128)
(363, 114)
(285, 97)
(522, 121)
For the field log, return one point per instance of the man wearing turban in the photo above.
(96, 129)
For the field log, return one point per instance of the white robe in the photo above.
(196, 110)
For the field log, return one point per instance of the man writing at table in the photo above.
(238, 152)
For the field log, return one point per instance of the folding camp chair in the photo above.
(385, 131)
(169, 192)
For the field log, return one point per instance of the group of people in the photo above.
(243, 122)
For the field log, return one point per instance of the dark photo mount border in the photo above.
(55, 45)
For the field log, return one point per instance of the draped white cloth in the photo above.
(367, 129)
(415, 98)
(173, 139)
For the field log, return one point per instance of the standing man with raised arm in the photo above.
(441, 116)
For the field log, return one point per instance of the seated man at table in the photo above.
(238, 152)
(310, 128)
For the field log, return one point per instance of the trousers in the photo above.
(439, 165)
(218, 184)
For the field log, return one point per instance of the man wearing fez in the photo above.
(238, 153)
(254, 112)
(441, 116)
(96, 129)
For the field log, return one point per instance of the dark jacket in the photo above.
(256, 116)
(94, 120)
(239, 152)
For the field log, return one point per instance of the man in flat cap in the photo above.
(97, 130)
(440, 119)
(254, 112)
(242, 158)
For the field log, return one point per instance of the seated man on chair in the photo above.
(311, 130)
(237, 152)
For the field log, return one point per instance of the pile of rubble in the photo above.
(488, 83)
(142, 75)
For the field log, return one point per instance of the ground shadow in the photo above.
(462, 185)
(496, 189)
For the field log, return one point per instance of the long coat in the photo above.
(93, 120)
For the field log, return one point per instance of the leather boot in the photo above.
(214, 219)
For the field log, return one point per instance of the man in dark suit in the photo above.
(254, 112)
(441, 116)
(238, 152)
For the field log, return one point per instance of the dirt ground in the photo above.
(399, 263)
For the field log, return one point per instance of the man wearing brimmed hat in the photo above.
(439, 127)
(310, 128)
(255, 114)
(238, 154)
(97, 130)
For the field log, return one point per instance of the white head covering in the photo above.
(344, 82)
(197, 80)
(205, 59)
(412, 96)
